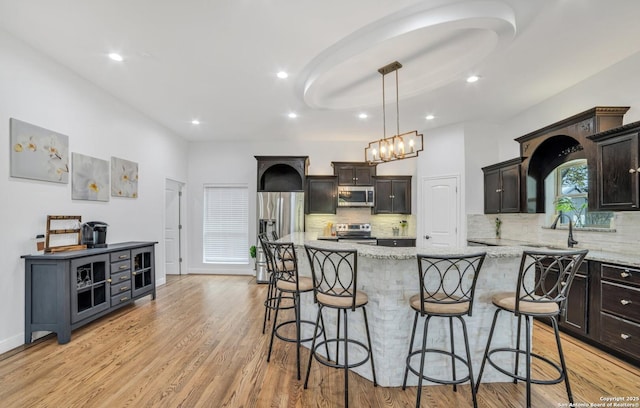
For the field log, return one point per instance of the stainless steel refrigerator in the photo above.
(281, 213)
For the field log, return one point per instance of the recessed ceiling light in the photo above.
(292, 115)
(116, 57)
(429, 117)
(363, 116)
(195, 122)
(282, 75)
(473, 78)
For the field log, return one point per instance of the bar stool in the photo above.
(284, 263)
(272, 295)
(544, 280)
(335, 274)
(447, 287)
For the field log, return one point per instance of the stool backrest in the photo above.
(283, 259)
(448, 279)
(546, 276)
(334, 272)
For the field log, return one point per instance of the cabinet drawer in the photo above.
(120, 288)
(401, 242)
(120, 256)
(620, 334)
(120, 266)
(621, 300)
(621, 274)
(120, 298)
(120, 277)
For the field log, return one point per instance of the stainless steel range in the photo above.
(356, 233)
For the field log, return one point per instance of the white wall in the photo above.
(234, 163)
(37, 90)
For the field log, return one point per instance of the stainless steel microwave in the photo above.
(355, 196)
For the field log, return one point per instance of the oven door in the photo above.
(355, 196)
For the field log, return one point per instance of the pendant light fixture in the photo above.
(399, 146)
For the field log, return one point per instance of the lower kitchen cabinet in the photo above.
(397, 242)
(66, 290)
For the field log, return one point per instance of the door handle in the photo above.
(427, 237)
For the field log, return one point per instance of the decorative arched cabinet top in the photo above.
(282, 173)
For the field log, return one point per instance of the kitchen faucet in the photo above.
(570, 241)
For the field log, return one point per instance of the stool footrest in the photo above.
(325, 361)
(438, 380)
(294, 340)
(561, 374)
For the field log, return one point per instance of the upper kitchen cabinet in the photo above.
(354, 173)
(321, 197)
(393, 195)
(282, 173)
(618, 168)
(547, 149)
(502, 187)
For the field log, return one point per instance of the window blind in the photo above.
(226, 224)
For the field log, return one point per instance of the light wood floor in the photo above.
(199, 344)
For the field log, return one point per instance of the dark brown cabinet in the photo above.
(393, 195)
(618, 168)
(354, 173)
(619, 315)
(502, 187)
(397, 242)
(321, 197)
(576, 315)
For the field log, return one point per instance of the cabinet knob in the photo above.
(123, 257)
(625, 302)
(632, 171)
(427, 237)
(109, 280)
(124, 266)
(625, 274)
(499, 190)
(124, 299)
(624, 336)
(124, 289)
(123, 278)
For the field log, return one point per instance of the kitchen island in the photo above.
(390, 277)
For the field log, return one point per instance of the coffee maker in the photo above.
(94, 234)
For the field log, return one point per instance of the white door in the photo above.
(172, 227)
(440, 211)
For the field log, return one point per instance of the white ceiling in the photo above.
(216, 60)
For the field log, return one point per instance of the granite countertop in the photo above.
(593, 255)
(376, 252)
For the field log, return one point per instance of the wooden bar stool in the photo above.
(335, 274)
(544, 281)
(284, 263)
(447, 287)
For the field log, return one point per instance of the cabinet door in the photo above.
(618, 173)
(383, 197)
(577, 309)
(143, 272)
(346, 175)
(364, 176)
(492, 192)
(321, 195)
(401, 196)
(89, 286)
(510, 189)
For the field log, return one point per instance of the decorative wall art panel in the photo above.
(89, 178)
(38, 153)
(124, 178)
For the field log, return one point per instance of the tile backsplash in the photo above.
(624, 236)
(381, 225)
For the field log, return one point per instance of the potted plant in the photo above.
(252, 252)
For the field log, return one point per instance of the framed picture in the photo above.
(38, 153)
(124, 178)
(89, 178)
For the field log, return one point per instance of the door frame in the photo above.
(460, 230)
